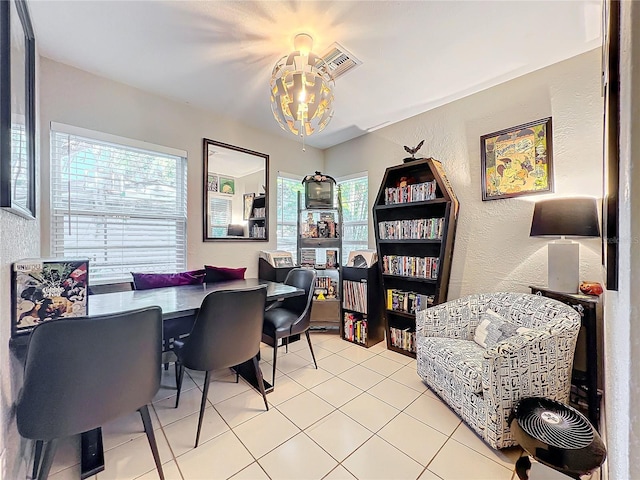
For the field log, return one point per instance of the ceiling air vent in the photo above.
(340, 60)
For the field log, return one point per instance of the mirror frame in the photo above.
(205, 150)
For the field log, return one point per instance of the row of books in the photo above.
(422, 228)
(324, 227)
(325, 287)
(421, 267)
(403, 338)
(355, 328)
(407, 302)
(257, 231)
(308, 258)
(418, 192)
(354, 295)
(258, 212)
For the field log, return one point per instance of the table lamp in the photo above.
(561, 217)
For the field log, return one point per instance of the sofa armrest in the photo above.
(454, 319)
(536, 363)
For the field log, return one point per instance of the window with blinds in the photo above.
(122, 207)
(354, 192)
(220, 218)
(287, 222)
(19, 165)
(355, 213)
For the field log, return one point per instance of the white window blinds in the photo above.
(354, 192)
(122, 207)
(220, 217)
(287, 226)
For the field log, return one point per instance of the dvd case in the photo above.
(47, 289)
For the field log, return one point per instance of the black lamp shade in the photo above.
(574, 217)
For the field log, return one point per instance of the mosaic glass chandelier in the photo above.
(302, 90)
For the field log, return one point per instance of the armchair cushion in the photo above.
(456, 360)
(493, 329)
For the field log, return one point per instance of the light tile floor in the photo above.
(363, 414)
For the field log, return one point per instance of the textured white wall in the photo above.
(19, 238)
(84, 100)
(622, 332)
(493, 250)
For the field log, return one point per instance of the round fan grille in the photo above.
(557, 425)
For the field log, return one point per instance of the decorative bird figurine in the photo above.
(413, 151)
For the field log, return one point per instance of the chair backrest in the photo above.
(305, 279)
(528, 310)
(82, 372)
(227, 330)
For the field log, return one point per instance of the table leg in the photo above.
(247, 372)
(92, 453)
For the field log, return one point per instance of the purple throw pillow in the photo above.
(220, 274)
(146, 281)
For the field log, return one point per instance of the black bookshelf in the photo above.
(325, 313)
(266, 271)
(361, 302)
(257, 221)
(414, 256)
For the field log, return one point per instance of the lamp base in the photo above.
(564, 266)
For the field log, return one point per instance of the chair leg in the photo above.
(237, 374)
(311, 348)
(36, 458)
(49, 452)
(166, 366)
(148, 428)
(179, 376)
(286, 344)
(275, 355)
(259, 378)
(203, 404)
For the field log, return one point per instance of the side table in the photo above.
(587, 307)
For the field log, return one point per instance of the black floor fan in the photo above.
(557, 436)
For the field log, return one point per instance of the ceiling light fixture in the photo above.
(302, 90)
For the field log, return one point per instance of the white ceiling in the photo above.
(218, 55)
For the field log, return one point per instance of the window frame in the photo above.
(60, 212)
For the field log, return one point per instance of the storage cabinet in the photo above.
(319, 247)
(587, 363)
(362, 304)
(415, 216)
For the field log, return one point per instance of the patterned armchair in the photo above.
(483, 384)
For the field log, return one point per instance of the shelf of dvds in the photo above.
(257, 219)
(415, 216)
(362, 305)
(320, 247)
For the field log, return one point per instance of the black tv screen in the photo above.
(319, 194)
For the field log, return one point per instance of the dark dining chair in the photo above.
(291, 316)
(226, 333)
(80, 373)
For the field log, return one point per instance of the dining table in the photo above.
(179, 302)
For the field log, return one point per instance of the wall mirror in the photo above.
(236, 195)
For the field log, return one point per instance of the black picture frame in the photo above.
(525, 152)
(17, 110)
(611, 165)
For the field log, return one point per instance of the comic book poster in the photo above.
(517, 161)
(46, 290)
